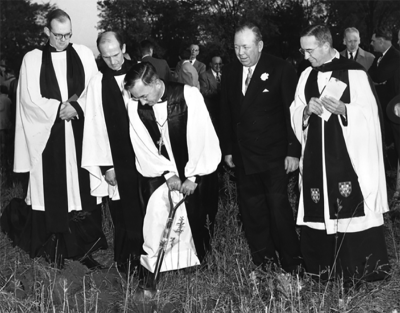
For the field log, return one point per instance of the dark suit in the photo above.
(363, 57)
(386, 78)
(161, 66)
(210, 89)
(256, 131)
(199, 66)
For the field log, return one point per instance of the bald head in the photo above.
(112, 49)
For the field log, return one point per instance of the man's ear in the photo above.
(46, 30)
(123, 48)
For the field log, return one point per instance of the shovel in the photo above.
(152, 290)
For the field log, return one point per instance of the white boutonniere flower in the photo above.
(264, 76)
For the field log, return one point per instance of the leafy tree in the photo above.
(21, 26)
(130, 17)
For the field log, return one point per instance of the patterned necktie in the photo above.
(248, 78)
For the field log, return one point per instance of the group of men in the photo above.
(130, 134)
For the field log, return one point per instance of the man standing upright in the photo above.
(385, 73)
(161, 65)
(65, 221)
(258, 141)
(210, 88)
(107, 150)
(194, 52)
(351, 39)
(343, 187)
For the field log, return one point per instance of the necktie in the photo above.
(218, 77)
(379, 60)
(248, 78)
(351, 56)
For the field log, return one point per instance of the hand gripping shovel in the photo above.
(152, 290)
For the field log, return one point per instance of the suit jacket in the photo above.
(208, 83)
(256, 128)
(363, 57)
(211, 93)
(161, 66)
(199, 66)
(386, 76)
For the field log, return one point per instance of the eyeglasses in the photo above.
(309, 51)
(61, 36)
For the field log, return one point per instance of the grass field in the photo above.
(229, 282)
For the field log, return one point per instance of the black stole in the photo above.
(123, 155)
(177, 124)
(53, 157)
(344, 194)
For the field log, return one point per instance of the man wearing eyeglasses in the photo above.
(65, 220)
(210, 88)
(335, 116)
(108, 153)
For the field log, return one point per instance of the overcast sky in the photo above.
(84, 18)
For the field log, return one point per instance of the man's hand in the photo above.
(229, 161)
(188, 187)
(291, 164)
(314, 106)
(174, 183)
(334, 106)
(67, 111)
(110, 177)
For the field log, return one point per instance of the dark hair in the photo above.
(143, 71)
(383, 32)
(185, 54)
(58, 15)
(117, 36)
(254, 28)
(320, 32)
(145, 46)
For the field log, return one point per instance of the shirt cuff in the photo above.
(169, 175)
(192, 179)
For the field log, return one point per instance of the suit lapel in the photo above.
(254, 88)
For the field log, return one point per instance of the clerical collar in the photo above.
(53, 49)
(164, 96)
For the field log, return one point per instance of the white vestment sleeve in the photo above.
(203, 144)
(35, 115)
(148, 162)
(364, 142)
(96, 150)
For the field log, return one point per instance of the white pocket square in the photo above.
(265, 90)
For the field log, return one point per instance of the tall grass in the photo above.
(229, 282)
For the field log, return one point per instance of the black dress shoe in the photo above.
(91, 263)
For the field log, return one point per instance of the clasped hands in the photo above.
(330, 104)
(67, 111)
(187, 187)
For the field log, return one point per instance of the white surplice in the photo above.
(35, 116)
(96, 150)
(363, 140)
(204, 157)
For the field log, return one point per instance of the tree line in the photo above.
(175, 24)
